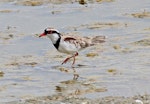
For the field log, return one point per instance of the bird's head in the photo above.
(49, 31)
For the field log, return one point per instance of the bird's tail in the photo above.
(98, 39)
(90, 41)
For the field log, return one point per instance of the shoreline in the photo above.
(138, 99)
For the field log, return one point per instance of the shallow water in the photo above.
(32, 67)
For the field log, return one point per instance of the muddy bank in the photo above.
(58, 99)
(41, 2)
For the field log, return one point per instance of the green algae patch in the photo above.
(143, 14)
(1, 73)
(91, 54)
(82, 2)
(144, 42)
(31, 2)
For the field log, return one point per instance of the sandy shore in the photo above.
(139, 99)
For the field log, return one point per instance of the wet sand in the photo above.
(115, 72)
(145, 99)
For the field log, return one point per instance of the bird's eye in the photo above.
(49, 32)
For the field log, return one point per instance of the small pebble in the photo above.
(139, 101)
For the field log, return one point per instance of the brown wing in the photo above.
(69, 39)
(79, 42)
(83, 41)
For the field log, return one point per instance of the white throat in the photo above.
(54, 37)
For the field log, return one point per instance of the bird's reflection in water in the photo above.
(75, 75)
(77, 88)
(72, 70)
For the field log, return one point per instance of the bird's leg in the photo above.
(76, 54)
(65, 61)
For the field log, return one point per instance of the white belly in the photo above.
(66, 47)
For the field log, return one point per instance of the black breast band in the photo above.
(57, 43)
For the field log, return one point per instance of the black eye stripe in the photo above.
(54, 32)
(50, 32)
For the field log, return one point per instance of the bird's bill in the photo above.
(43, 34)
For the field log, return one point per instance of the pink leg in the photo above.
(76, 54)
(65, 61)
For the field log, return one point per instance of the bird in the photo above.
(70, 44)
